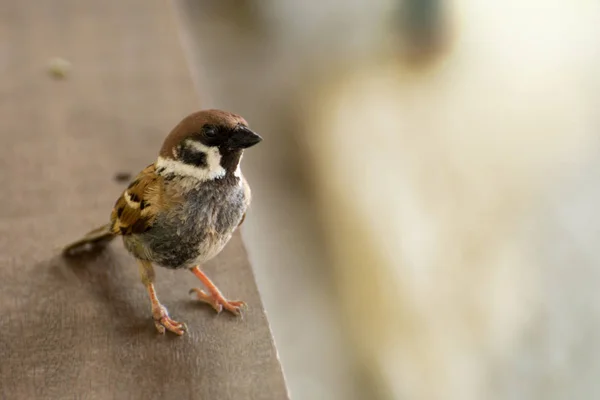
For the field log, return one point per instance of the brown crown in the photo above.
(192, 125)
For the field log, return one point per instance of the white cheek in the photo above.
(213, 157)
(212, 171)
(238, 172)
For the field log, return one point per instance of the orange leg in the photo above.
(160, 314)
(214, 296)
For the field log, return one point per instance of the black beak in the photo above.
(242, 138)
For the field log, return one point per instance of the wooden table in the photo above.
(82, 328)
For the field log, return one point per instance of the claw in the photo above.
(214, 296)
(218, 302)
(163, 322)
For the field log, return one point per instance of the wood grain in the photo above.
(82, 328)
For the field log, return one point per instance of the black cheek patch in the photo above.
(192, 157)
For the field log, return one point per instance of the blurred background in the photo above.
(425, 222)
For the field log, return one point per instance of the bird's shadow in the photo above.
(105, 275)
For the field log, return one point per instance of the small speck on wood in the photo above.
(58, 68)
(122, 177)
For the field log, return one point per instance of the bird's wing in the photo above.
(136, 209)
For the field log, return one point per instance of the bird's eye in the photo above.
(210, 132)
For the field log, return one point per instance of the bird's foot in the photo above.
(218, 302)
(164, 322)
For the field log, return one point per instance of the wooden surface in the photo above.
(83, 329)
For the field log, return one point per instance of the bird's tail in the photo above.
(97, 237)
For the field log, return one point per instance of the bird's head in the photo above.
(206, 145)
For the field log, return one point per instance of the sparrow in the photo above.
(181, 211)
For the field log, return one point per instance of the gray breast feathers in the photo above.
(195, 230)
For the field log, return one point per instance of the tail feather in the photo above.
(98, 236)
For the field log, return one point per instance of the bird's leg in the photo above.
(159, 312)
(214, 296)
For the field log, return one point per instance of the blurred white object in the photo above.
(449, 194)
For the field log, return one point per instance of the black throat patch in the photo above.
(230, 160)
